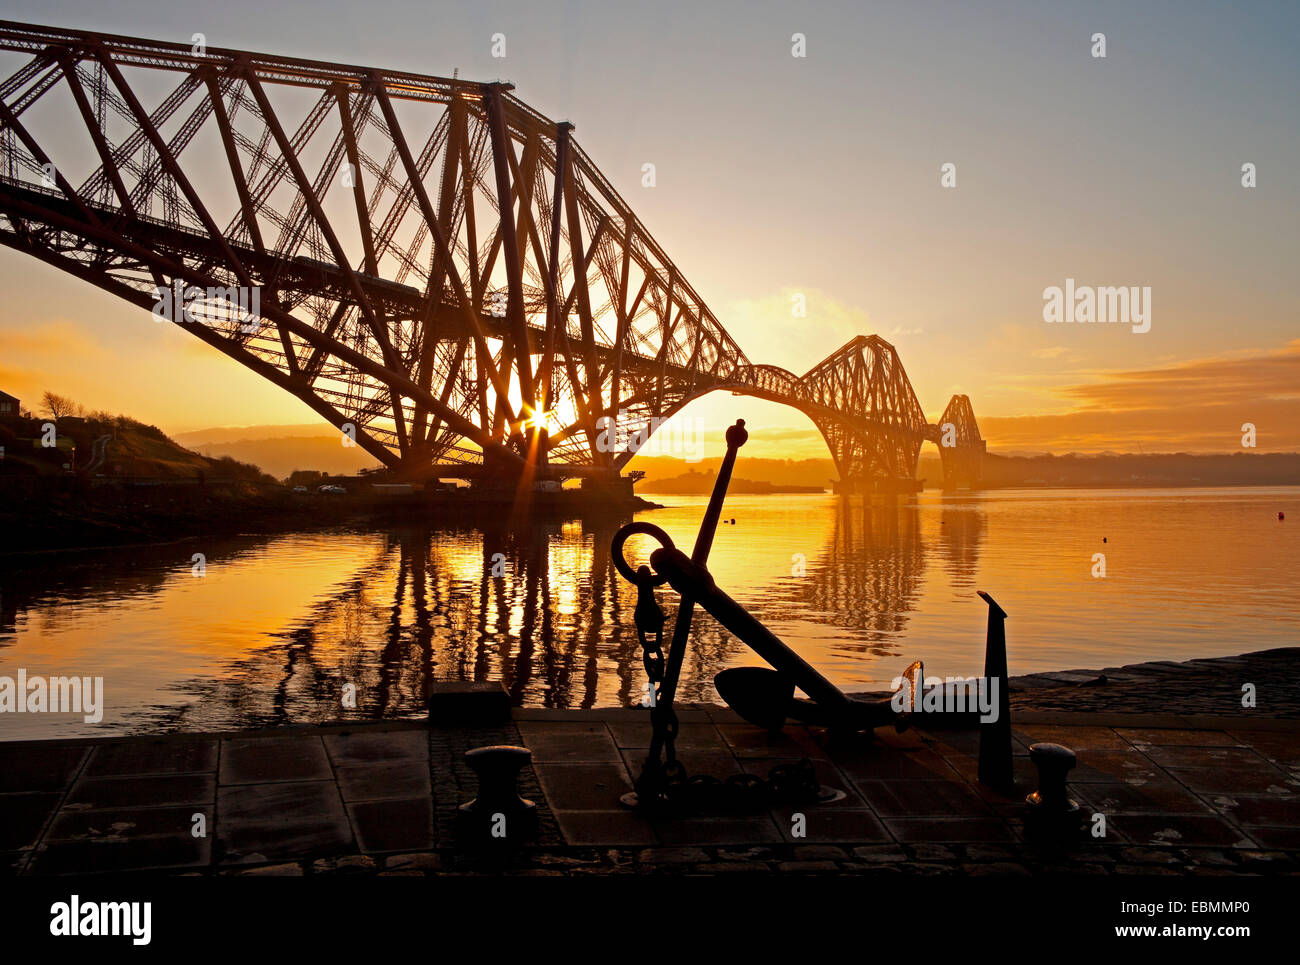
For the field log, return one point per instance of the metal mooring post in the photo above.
(995, 770)
(1051, 817)
(499, 812)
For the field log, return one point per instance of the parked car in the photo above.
(300, 489)
(330, 490)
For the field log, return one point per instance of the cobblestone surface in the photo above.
(1197, 687)
(1164, 795)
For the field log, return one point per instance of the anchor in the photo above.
(760, 695)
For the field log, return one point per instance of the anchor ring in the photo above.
(621, 537)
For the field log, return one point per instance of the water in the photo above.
(277, 625)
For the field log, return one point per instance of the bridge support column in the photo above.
(877, 486)
(962, 465)
(608, 488)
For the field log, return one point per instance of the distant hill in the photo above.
(281, 455)
(280, 450)
(1137, 469)
(220, 435)
(111, 446)
(697, 483)
(817, 473)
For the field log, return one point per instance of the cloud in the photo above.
(23, 383)
(1195, 405)
(1244, 378)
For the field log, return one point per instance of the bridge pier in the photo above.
(608, 489)
(876, 486)
(962, 465)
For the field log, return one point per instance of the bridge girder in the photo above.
(960, 446)
(441, 270)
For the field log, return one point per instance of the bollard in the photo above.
(498, 808)
(1051, 815)
(995, 768)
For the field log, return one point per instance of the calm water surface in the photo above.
(278, 624)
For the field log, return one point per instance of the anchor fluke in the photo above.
(761, 696)
(765, 698)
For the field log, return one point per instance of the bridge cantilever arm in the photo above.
(298, 327)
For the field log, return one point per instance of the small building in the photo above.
(9, 406)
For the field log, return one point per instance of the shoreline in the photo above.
(1200, 687)
(196, 513)
(1199, 692)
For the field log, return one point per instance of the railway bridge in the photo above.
(428, 263)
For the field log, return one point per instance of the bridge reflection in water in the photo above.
(278, 624)
(544, 610)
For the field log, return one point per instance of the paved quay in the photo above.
(1180, 796)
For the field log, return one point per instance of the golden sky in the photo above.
(820, 177)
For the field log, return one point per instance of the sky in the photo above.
(820, 176)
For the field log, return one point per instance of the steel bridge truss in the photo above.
(428, 263)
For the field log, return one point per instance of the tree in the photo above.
(60, 406)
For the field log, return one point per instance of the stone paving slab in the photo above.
(169, 756)
(385, 780)
(384, 799)
(261, 759)
(284, 819)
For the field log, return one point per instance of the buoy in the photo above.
(1103, 539)
(1281, 515)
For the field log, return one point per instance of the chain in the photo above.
(665, 783)
(786, 784)
(649, 618)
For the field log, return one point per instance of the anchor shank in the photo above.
(736, 437)
(709, 527)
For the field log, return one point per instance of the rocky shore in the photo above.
(1261, 684)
